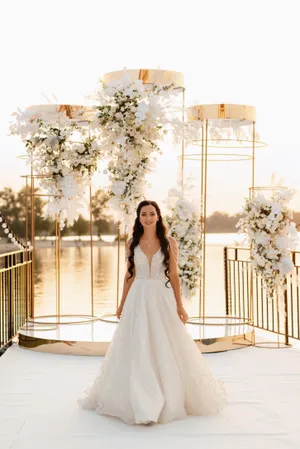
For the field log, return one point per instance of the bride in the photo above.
(153, 370)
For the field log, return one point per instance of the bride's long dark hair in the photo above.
(138, 231)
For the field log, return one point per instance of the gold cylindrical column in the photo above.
(57, 270)
(227, 116)
(50, 113)
(32, 240)
(147, 76)
(182, 142)
(118, 263)
(91, 254)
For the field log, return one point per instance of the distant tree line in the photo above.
(13, 208)
(223, 222)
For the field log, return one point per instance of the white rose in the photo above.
(118, 188)
(52, 142)
(282, 241)
(95, 145)
(110, 91)
(286, 265)
(79, 147)
(122, 141)
(276, 208)
(272, 253)
(65, 171)
(293, 230)
(141, 111)
(261, 239)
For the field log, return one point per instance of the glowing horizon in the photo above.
(228, 52)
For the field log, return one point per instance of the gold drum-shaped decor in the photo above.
(244, 114)
(148, 76)
(48, 112)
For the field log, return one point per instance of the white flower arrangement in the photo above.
(185, 227)
(132, 120)
(272, 235)
(65, 153)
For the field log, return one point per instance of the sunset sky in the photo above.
(235, 51)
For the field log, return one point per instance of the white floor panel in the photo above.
(39, 391)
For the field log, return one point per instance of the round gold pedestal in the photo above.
(94, 337)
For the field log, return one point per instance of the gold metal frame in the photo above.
(32, 195)
(245, 115)
(39, 328)
(233, 143)
(78, 114)
(267, 316)
(88, 319)
(272, 345)
(232, 157)
(244, 320)
(106, 318)
(15, 295)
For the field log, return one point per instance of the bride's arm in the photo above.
(174, 278)
(127, 282)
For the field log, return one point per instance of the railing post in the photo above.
(286, 321)
(7, 276)
(226, 280)
(12, 296)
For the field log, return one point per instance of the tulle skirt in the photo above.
(153, 370)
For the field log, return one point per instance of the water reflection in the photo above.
(76, 280)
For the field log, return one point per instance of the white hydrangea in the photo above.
(271, 236)
(185, 227)
(131, 120)
(65, 153)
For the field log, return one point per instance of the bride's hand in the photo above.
(182, 314)
(119, 311)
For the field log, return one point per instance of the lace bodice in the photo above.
(146, 270)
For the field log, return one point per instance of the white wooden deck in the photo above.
(39, 391)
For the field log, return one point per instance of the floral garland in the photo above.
(271, 234)
(12, 236)
(66, 156)
(185, 227)
(131, 120)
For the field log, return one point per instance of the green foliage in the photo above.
(13, 208)
(222, 222)
(80, 227)
(101, 218)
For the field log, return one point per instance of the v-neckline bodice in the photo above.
(149, 261)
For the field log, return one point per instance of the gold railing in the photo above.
(15, 294)
(246, 297)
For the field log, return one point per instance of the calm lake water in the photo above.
(76, 278)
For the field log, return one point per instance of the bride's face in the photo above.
(148, 217)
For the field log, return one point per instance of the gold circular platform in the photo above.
(94, 337)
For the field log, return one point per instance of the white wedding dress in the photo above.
(153, 370)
